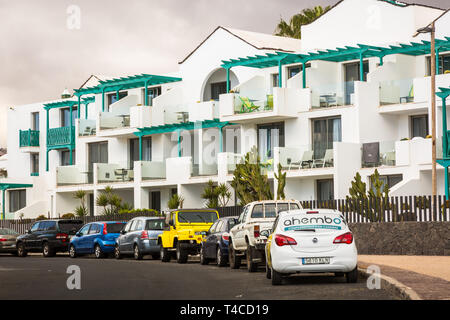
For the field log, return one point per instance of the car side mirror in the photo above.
(78, 234)
(28, 231)
(123, 232)
(266, 233)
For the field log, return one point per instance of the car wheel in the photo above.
(72, 252)
(352, 276)
(117, 253)
(137, 253)
(98, 252)
(235, 261)
(181, 254)
(276, 277)
(251, 266)
(221, 260)
(21, 252)
(203, 259)
(268, 272)
(47, 251)
(164, 254)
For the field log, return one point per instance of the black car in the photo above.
(48, 237)
(215, 246)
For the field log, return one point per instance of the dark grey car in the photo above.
(139, 237)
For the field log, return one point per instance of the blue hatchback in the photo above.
(98, 238)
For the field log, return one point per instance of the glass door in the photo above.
(98, 153)
(351, 72)
(270, 136)
(325, 132)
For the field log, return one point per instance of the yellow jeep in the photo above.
(184, 232)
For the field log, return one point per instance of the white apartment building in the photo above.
(353, 95)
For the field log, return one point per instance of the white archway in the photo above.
(216, 82)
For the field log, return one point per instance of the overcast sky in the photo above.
(40, 55)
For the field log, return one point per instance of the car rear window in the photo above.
(70, 226)
(197, 217)
(114, 227)
(311, 222)
(8, 232)
(155, 224)
(270, 210)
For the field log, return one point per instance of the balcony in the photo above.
(152, 170)
(200, 111)
(110, 173)
(29, 138)
(332, 95)
(60, 137)
(204, 169)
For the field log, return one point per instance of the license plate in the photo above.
(324, 260)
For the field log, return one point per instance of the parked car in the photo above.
(139, 237)
(311, 241)
(246, 240)
(48, 237)
(8, 240)
(184, 232)
(98, 238)
(215, 245)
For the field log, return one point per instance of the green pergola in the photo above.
(125, 83)
(178, 127)
(347, 53)
(86, 102)
(444, 93)
(7, 186)
(60, 138)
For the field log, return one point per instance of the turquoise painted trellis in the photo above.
(444, 93)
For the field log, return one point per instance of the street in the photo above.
(35, 277)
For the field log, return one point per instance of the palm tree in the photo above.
(293, 28)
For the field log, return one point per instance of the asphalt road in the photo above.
(35, 277)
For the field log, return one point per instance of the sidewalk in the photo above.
(428, 276)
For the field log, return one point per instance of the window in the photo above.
(146, 150)
(151, 93)
(270, 136)
(275, 80)
(34, 163)
(128, 226)
(84, 231)
(35, 227)
(97, 153)
(65, 157)
(95, 228)
(391, 180)
(214, 227)
(17, 200)
(352, 74)
(325, 190)
(65, 116)
(294, 70)
(258, 211)
(419, 126)
(444, 64)
(231, 224)
(47, 226)
(217, 89)
(155, 198)
(325, 132)
(35, 121)
(243, 214)
(112, 97)
(138, 225)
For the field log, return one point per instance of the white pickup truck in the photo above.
(246, 237)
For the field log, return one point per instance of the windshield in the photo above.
(155, 224)
(70, 226)
(8, 232)
(114, 227)
(197, 217)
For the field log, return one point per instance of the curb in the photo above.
(393, 285)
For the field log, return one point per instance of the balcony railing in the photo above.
(376, 154)
(396, 91)
(305, 157)
(29, 138)
(243, 104)
(204, 169)
(60, 137)
(72, 175)
(86, 127)
(113, 121)
(153, 170)
(332, 95)
(109, 172)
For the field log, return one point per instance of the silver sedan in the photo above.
(8, 240)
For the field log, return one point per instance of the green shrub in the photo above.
(41, 217)
(68, 216)
(146, 212)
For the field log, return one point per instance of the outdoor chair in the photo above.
(247, 105)
(87, 131)
(306, 160)
(269, 105)
(409, 97)
(327, 159)
(389, 158)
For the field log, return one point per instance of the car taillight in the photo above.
(144, 234)
(256, 231)
(311, 212)
(3, 239)
(225, 236)
(62, 236)
(344, 238)
(282, 240)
